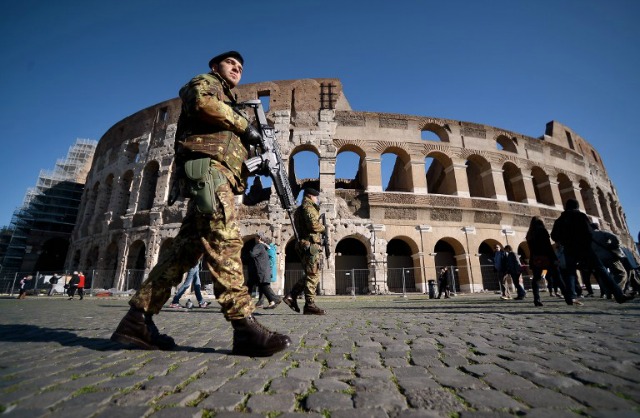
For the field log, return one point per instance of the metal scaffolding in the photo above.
(51, 207)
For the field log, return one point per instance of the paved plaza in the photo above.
(373, 356)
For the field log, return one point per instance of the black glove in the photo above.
(251, 136)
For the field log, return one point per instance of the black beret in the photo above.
(233, 54)
(311, 192)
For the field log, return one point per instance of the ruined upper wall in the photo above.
(297, 96)
(302, 98)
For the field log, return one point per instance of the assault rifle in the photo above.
(325, 236)
(269, 161)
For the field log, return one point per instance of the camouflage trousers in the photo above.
(215, 237)
(308, 284)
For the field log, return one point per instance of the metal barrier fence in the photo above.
(347, 282)
(352, 282)
(402, 280)
(39, 283)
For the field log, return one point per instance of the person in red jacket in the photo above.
(81, 285)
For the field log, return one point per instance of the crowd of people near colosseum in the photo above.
(579, 248)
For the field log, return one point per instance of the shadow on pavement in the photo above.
(31, 333)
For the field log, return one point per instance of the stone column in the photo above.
(555, 192)
(328, 175)
(377, 259)
(459, 172)
(421, 280)
(499, 189)
(373, 174)
(418, 176)
(577, 193)
(527, 179)
(121, 268)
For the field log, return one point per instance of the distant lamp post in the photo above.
(469, 230)
(506, 231)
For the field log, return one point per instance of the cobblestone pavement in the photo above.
(378, 356)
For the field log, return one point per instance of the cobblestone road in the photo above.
(470, 356)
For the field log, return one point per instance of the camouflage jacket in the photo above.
(208, 125)
(307, 220)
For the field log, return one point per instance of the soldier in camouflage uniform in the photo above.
(309, 248)
(208, 127)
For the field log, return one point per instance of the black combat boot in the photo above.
(291, 301)
(252, 339)
(137, 328)
(311, 308)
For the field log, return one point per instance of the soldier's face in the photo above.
(230, 70)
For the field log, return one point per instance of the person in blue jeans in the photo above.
(193, 276)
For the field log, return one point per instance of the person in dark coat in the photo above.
(543, 257)
(444, 283)
(260, 272)
(500, 268)
(514, 269)
(573, 231)
(73, 285)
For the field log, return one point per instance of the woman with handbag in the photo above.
(543, 257)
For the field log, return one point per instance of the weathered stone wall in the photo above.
(482, 187)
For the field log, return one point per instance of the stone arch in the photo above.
(137, 255)
(106, 277)
(401, 177)
(614, 211)
(124, 193)
(479, 177)
(565, 186)
(105, 195)
(430, 129)
(304, 168)
(91, 260)
(588, 198)
(542, 186)
(148, 185)
(403, 269)
(90, 207)
(485, 251)
(136, 264)
(606, 214)
(450, 252)
(440, 176)
(132, 152)
(350, 160)
(504, 143)
(352, 265)
(514, 183)
(111, 256)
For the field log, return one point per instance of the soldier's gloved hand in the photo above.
(251, 136)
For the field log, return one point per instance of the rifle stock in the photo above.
(270, 162)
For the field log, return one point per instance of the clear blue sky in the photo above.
(71, 69)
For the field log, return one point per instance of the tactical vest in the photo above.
(196, 137)
(307, 211)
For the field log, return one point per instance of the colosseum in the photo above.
(454, 190)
